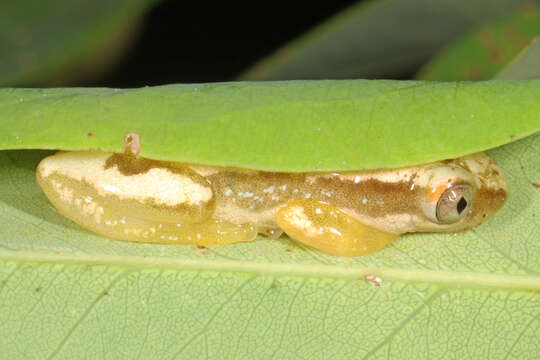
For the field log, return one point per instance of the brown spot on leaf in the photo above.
(475, 73)
(487, 38)
(515, 38)
(536, 186)
(495, 55)
(527, 9)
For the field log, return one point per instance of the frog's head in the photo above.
(461, 193)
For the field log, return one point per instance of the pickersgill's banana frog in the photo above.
(351, 213)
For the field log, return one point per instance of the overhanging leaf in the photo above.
(283, 126)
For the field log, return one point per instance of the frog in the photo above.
(128, 197)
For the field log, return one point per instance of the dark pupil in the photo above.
(461, 205)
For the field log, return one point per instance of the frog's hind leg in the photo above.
(330, 230)
(171, 204)
(208, 233)
(114, 220)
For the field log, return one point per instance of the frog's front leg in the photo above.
(329, 229)
(128, 198)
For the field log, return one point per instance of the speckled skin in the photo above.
(136, 199)
(390, 200)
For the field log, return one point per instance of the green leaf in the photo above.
(377, 39)
(483, 52)
(66, 293)
(284, 126)
(47, 42)
(526, 65)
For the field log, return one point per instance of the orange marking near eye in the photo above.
(435, 194)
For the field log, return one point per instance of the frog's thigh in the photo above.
(118, 219)
(116, 223)
(330, 230)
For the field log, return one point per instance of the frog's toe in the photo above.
(330, 230)
(271, 232)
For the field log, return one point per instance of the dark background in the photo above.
(212, 41)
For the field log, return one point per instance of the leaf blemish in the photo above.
(133, 143)
(375, 280)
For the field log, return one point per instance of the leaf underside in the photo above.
(72, 292)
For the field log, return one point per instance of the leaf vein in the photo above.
(98, 298)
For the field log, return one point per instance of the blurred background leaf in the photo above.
(380, 39)
(526, 65)
(133, 43)
(64, 41)
(482, 52)
(150, 42)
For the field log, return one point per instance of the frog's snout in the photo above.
(490, 197)
(462, 193)
(491, 187)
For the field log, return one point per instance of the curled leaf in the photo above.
(280, 126)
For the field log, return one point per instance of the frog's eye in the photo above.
(449, 193)
(454, 204)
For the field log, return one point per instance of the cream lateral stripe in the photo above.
(392, 176)
(158, 184)
(477, 163)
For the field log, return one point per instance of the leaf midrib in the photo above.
(529, 282)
